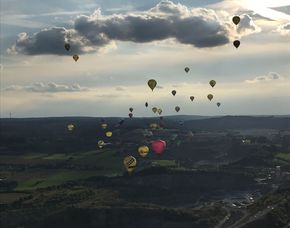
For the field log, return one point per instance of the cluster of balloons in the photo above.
(236, 20)
(152, 83)
(67, 47)
(157, 146)
(131, 112)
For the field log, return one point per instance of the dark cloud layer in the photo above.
(197, 27)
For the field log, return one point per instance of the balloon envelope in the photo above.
(131, 109)
(130, 163)
(218, 104)
(67, 47)
(159, 111)
(173, 92)
(177, 108)
(210, 97)
(212, 83)
(76, 57)
(186, 69)
(236, 20)
(192, 98)
(152, 84)
(146, 104)
(236, 43)
(70, 127)
(101, 143)
(143, 151)
(154, 109)
(130, 115)
(158, 146)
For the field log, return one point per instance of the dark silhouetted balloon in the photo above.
(192, 98)
(67, 47)
(131, 109)
(152, 84)
(186, 69)
(146, 104)
(236, 43)
(177, 108)
(173, 92)
(212, 83)
(76, 57)
(130, 115)
(210, 97)
(236, 20)
(218, 104)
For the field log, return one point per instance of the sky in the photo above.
(122, 44)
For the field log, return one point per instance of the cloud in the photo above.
(50, 87)
(284, 29)
(270, 77)
(198, 27)
(247, 26)
(120, 88)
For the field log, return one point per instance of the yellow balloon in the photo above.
(152, 84)
(153, 126)
(130, 163)
(101, 143)
(104, 126)
(154, 109)
(109, 134)
(143, 151)
(70, 127)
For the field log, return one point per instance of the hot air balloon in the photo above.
(210, 97)
(67, 46)
(173, 92)
(109, 134)
(101, 143)
(76, 57)
(236, 43)
(177, 108)
(236, 20)
(130, 114)
(153, 126)
(131, 109)
(192, 98)
(212, 83)
(104, 125)
(130, 163)
(154, 109)
(218, 104)
(143, 151)
(158, 146)
(159, 111)
(70, 127)
(152, 84)
(186, 69)
(146, 104)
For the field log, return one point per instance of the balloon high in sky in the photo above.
(95, 57)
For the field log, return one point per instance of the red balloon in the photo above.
(158, 146)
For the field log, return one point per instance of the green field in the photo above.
(283, 156)
(100, 163)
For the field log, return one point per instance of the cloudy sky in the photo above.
(123, 43)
